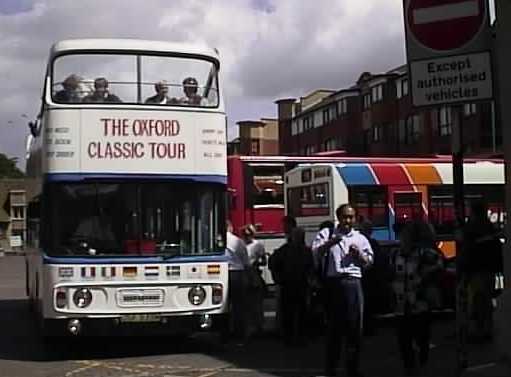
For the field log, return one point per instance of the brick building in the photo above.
(14, 197)
(256, 138)
(375, 117)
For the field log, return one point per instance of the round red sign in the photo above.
(445, 24)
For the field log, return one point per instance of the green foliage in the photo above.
(8, 168)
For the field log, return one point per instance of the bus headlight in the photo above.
(82, 297)
(196, 295)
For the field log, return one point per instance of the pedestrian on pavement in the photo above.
(482, 259)
(294, 266)
(256, 288)
(288, 224)
(377, 290)
(417, 264)
(316, 307)
(239, 266)
(346, 253)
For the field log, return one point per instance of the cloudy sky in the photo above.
(270, 49)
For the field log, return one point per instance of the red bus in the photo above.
(256, 192)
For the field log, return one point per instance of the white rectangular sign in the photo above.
(445, 12)
(454, 79)
(16, 241)
(136, 142)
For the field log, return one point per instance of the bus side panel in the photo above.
(268, 220)
(235, 184)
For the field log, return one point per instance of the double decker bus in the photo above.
(129, 150)
(389, 191)
(256, 192)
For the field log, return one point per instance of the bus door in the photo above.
(264, 200)
(408, 206)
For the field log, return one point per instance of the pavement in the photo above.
(21, 354)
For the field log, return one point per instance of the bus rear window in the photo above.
(267, 186)
(313, 200)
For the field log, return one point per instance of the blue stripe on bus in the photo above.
(77, 177)
(218, 258)
(381, 234)
(356, 174)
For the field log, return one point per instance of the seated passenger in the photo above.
(161, 97)
(191, 97)
(101, 93)
(71, 90)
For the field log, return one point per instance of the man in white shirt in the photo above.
(239, 265)
(161, 97)
(342, 255)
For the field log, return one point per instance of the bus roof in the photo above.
(131, 45)
(405, 173)
(327, 160)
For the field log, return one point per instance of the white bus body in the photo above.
(129, 225)
(388, 191)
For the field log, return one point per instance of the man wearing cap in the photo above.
(191, 98)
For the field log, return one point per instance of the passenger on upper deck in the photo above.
(191, 97)
(161, 97)
(71, 92)
(101, 93)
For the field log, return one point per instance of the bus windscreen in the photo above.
(122, 219)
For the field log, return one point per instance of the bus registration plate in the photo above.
(136, 318)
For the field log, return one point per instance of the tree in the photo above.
(8, 168)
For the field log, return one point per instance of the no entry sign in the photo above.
(445, 25)
(448, 44)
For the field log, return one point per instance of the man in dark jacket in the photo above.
(293, 267)
(101, 93)
(482, 259)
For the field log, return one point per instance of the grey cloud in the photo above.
(281, 48)
(280, 65)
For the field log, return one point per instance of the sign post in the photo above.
(448, 45)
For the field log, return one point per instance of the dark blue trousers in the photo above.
(344, 304)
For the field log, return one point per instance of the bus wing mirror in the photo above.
(34, 128)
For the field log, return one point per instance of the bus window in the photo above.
(441, 205)
(441, 213)
(493, 195)
(119, 70)
(408, 205)
(310, 200)
(153, 80)
(267, 186)
(370, 203)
